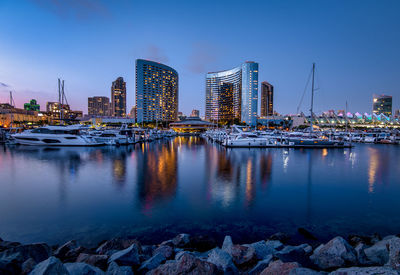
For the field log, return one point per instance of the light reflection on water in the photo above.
(187, 185)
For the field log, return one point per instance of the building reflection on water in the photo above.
(157, 169)
(378, 171)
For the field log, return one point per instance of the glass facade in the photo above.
(233, 94)
(156, 92)
(249, 93)
(267, 99)
(118, 98)
(223, 92)
(382, 104)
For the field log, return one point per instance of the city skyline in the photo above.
(358, 51)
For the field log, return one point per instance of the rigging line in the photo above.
(304, 92)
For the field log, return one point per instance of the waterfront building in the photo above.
(11, 116)
(382, 104)
(233, 94)
(53, 109)
(267, 99)
(195, 113)
(156, 92)
(118, 98)
(191, 125)
(99, 106)
(32, 106)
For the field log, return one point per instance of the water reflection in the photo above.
(187, 180)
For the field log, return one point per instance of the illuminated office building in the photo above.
(118, 98)
(156, 92)
(233, 94)
(382, 104)
(98, 106)
(267, 99)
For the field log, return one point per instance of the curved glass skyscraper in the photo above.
(156, 92)
(233, 94)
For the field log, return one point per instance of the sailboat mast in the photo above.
(312, 98)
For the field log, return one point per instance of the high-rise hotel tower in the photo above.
(118, 98)
(233, 94)
(267, 99)
(156, 92)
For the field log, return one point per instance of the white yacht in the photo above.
(54, 136)
(116, 137)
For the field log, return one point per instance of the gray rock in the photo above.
(274, 244)
(282, 237)
(260, 266)
(116, 244)
(65, 248)
(165, 250)
(279, 267)
(361, 257)
(307, 248)
(114, 269)
(28, 266)
(152, 263)
(222, 260)
(262, 250)
(50, 266)
(227, 244)
(294, 254)
(181, 240)
(378, 254)
(99, 261)
(38, 252)
(83, 269)
(374, 270)
(4, 245)
(394, 253)
(336, 253)
(304, 271)
(187, 264)
(128, 256)
(243, 256)
(9, 267)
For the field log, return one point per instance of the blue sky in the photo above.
(355, 44)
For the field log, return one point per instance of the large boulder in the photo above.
(279, 267)
(152, 263)
(394, 253)
(181, 240)
(165, 250)
(50, 266)
(38, 252)
(223, 260)
(227, 244)
(128, 256)
(83, 269)
(361, 257)
(378, 254)
(262, 250)
(243, 256)
(116, 244)
(294, 254)
(336, 253)
(260, 266)
(4, 245)
(114, 269)
(374, 270)
(99, 261)
(65, 248)
(187, 264)
(27, 266)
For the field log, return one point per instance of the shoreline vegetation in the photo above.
(198, 254)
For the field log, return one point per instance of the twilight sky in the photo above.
(89, 43)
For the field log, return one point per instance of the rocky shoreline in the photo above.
(186, 254)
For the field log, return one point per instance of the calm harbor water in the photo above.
(153, 191)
